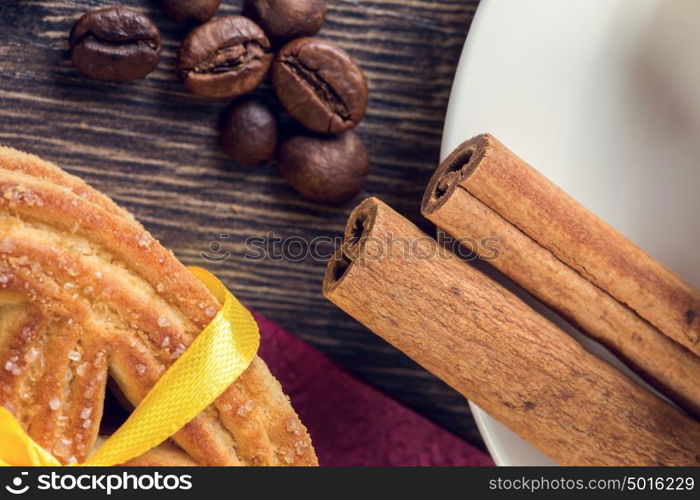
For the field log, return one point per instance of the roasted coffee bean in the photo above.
(326, 169)
(226, 57)
(117, 43)
(320, 85)
(285, 20)
(249, 131)
(189, 11)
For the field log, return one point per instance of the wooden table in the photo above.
(153, 147)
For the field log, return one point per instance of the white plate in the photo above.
(603, 97)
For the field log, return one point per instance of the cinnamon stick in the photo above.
(491, 347)
(525, 198)
(667, 365)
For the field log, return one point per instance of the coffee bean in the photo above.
(320, 85)
(189, 11)
(285, 20)
(326, 169)
(226, 57)
(249, 131)
(117, 43)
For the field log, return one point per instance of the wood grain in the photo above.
(153, 147)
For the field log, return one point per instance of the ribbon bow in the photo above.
(214, 360)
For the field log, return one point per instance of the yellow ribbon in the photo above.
(214, 360)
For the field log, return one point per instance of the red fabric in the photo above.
(351, 423)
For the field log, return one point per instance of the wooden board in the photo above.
(153, 147)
